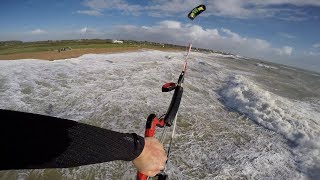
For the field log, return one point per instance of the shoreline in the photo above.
(74, 53)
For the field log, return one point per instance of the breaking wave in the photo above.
(295, 120)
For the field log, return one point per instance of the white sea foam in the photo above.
(118, 91)
(295, 120)
(266, 66)
(226, 55)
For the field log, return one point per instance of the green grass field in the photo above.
(23, 47)
(13, 47)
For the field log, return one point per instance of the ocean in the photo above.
(240, 118)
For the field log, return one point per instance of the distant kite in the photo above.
(196, 11)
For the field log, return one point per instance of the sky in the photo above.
(281, 31)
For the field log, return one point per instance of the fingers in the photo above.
(158, 162)
(161, 168)
(153, 173)
(163, 161)
(152, 159)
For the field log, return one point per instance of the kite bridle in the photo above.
(170, 118)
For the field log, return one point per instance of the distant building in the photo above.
(114, 41)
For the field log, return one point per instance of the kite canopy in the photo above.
(196, 11)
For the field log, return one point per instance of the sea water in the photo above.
(239, 118)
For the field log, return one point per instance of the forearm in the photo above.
(30, 141)
(96, 145)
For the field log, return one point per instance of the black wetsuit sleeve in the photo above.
(32, 141)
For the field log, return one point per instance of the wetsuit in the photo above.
(31, 141)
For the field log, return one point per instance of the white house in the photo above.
(115, 41)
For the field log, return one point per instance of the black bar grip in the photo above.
(174, 106)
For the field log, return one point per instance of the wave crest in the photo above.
(295, 120)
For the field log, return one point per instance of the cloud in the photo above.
(315, 51)
(61, 34)
(240, 8)
(38, 32)
(90, 12)
(312, 53)
(286, 35)
(227, 8)
(170, 24)
(285, 50)
(218, 39)
(121, 5)
(288, 2)
(87, 30)
(317, 45)
(175, 32)
(262, 8)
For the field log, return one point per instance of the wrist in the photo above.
(138, 143)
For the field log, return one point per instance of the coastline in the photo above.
(74, 53)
